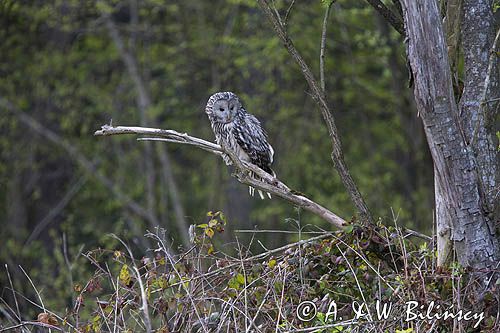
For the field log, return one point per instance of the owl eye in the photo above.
(221, 109)
(232, 107)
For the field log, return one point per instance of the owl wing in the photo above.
(253, 140)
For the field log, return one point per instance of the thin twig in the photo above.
(6, 312)
(282, 296)
(45, 311)
(256, 257)
(356, 279)
(31, 323)
(144, 307)
(18, 315)
(323, 46)
(254, 231)
(33, 285)
(182, 283)
(288, 11)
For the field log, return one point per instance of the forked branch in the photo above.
(267, 183)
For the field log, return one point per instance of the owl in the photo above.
(239, 131)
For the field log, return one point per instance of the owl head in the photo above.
(223, 107)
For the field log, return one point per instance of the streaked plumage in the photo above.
(239, 131)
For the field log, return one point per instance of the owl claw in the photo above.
(261, 195)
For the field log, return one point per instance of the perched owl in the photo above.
(239, 131)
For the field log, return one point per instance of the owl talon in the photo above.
(261, 195)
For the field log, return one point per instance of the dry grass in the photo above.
(205, 290)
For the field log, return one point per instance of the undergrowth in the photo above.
(351, 281)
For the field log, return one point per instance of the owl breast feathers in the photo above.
(239, 131)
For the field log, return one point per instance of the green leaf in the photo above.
(233, 283)
(240, 278)
(125, 275)
(327, 3)
(209, 232)
(96, 323)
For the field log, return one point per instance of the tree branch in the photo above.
(323, 46)
(268, 183)
(320, 99)
(389, 16)
(288, 11)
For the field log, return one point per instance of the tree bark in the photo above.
(480, 97)
(460, 213)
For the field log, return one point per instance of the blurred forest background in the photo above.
(67, 67)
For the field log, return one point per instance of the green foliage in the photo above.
(495, 5)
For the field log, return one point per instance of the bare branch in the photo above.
(389, 16)
(172, 135)
(323, 46)
(288, 11)
(268, 183)
(320, 99)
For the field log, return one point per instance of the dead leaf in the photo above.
(47, 318)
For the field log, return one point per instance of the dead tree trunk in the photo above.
(457, 137)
